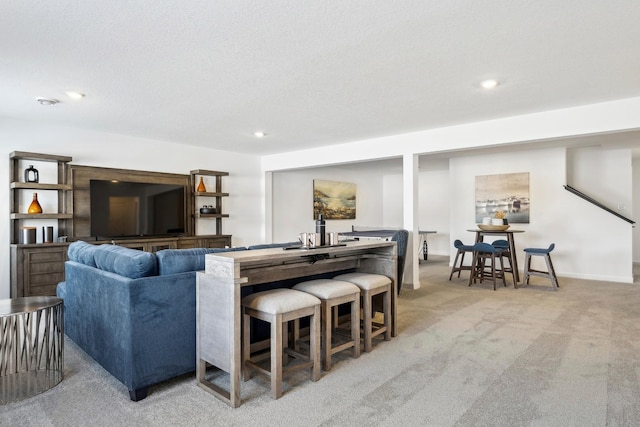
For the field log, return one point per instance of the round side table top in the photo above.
(10, 307)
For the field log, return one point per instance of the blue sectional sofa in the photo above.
(133, 312)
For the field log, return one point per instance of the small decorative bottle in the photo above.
(31, 174)
(321, 229)
(34, 207)
(201, 188)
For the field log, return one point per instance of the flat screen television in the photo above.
(121, 209)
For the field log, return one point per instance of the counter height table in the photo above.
(218, 296)
(512, 246)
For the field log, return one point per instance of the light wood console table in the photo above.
(218, 296)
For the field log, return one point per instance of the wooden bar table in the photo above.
(512, 246)
(218, 296)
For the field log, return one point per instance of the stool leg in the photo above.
(355, 327)
(296, 335)
(527, 262)
(285, 343)
(454, 268)
(314, 337)
(366, 309)
(246, 345)
(552, 272)
(504, 280)
(493, 270)
(461, 263)
(474, 268)
(386, 305)
(325, 324)
(276, 356)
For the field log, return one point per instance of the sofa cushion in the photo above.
(82, 252)
(126, 262)
(173, 261)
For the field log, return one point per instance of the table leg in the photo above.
(514, 258)
(425, 249)
(474, 267)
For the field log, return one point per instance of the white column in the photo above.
(410, 219)
(268, 207)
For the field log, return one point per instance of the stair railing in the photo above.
(597, 203)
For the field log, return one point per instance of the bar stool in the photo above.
(483, 252)
(278, 307)
(462, 250)
(505, 253)
(333, 293)
(550, 273)
(371, 285)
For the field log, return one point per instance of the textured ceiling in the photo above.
(308, 73)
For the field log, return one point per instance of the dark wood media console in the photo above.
(37, 268)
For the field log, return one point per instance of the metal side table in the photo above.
(31, 346)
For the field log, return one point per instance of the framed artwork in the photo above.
(334, 200)
(508, 193)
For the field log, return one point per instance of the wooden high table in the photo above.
(218, 296)
(512, 246)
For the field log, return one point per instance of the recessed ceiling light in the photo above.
(74, 94)
(47, 101)
(259, 134)
(489, 84)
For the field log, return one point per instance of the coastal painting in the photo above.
(507, 192)
(334, 200)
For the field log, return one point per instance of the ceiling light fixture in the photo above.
(47, 101)
(259, 134)
(489, 84)
(74, 94)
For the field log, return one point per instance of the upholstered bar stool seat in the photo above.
(550, 273)
(278, 307)
(371, 285)
(333, 293)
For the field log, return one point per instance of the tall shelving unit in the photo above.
(36, 269)
(200, 198)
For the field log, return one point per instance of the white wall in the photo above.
(244, 205)
(604, 174)
(293, 201)
(633, 214)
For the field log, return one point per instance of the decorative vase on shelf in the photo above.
(31, 174)
(201, 188)
(34, 207)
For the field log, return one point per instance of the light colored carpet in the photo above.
(464, 357)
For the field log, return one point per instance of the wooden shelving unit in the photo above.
(217, 196)
(36, 269)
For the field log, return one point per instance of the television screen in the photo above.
(126, 209)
